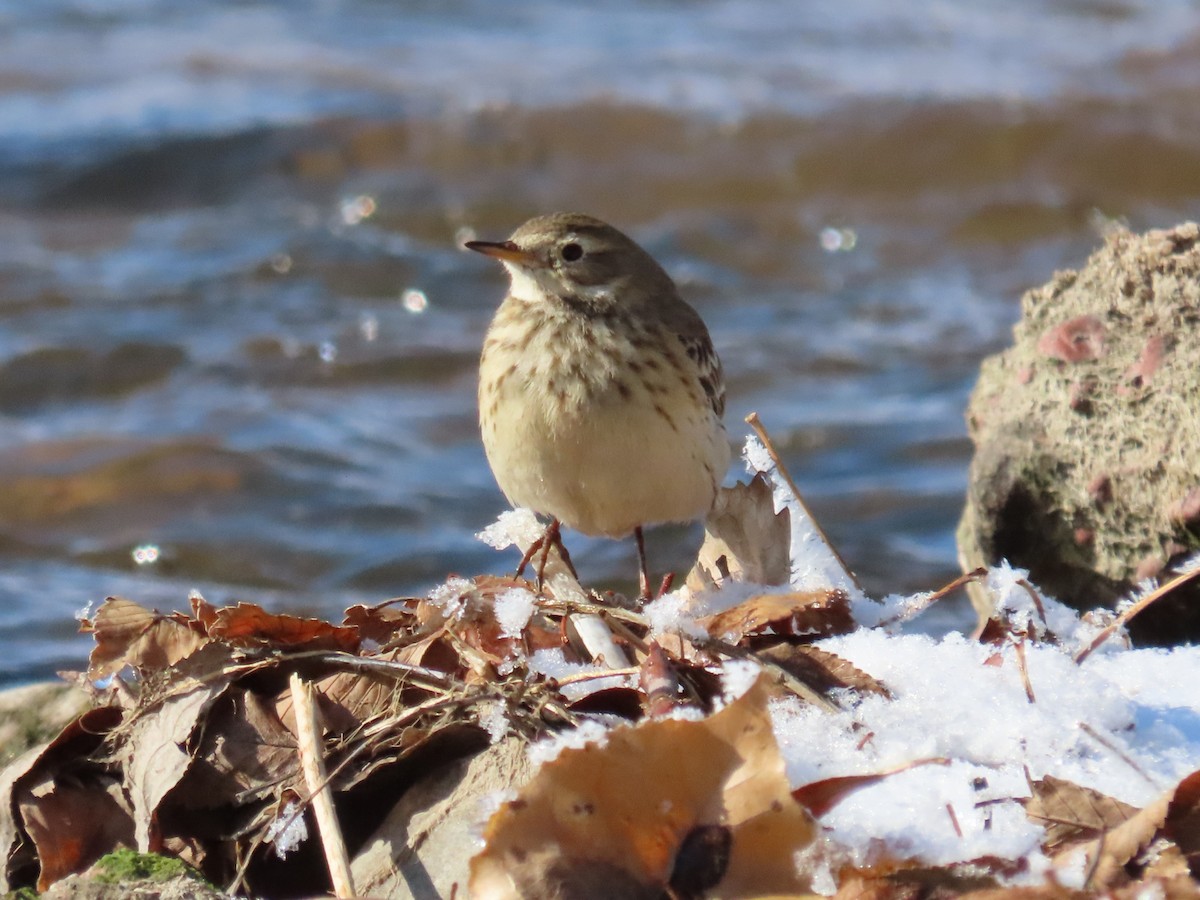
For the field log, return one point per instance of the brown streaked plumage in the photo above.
(600, 393)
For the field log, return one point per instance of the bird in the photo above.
(601, 397)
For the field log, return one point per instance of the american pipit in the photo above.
(600, 394)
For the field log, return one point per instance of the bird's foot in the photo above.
(551, 537)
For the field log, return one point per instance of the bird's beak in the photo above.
(505, 251)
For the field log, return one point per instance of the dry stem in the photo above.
(1157, 594)
(312, 761)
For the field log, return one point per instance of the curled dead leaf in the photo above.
(67, 804)
(823, 671)
(1174, 816)
(744, 539)
(248, 624)
(1183, 821)
(819, 797)
(626, 816)
(380, 623)
(128, 634)
(158, 753)
(804, 614)
(1071, 813)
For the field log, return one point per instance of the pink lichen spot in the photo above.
(1024, 375)
(1139, 374)
(1100, 489)
(1075, 340)
(1084, 536)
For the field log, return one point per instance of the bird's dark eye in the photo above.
(571, 252)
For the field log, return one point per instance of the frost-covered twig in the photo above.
(925, 601)
(1190, 574)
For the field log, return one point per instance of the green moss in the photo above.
(129, 865)
(25, 893)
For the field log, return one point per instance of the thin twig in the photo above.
(243, 867)
(392, 668)
(954, 820)
(761, 430)
(1023, 667)
(312, 761)
(1157, 594)
(621, 630)
(591, 676)
(389, 667)
(583, 606)
(1036, 598)
(793, 683)
(916, 609)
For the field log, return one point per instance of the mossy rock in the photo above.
(1087, 432)
(127, 873)
(129, 865)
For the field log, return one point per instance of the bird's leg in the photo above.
(533, 548)
(562, 551)
(643, 572)
(551, 537)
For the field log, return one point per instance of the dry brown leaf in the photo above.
(16, 851)
(73, 823)
(434, 651)
(1165, 862)
(129, 634)
(1183, 821)
(380, 623)
(612, 820)
(744, 539)
(1107, 856)
(248, 624)
(1071, 813)
(157, 754)
(245, 753)
(909, 882)
(347, 699)
(477, 626)
(41, 767)
(821, 670)
(819, 797)
(203, 612)
(910, 879)
(808, 614)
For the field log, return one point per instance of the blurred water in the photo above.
(236, 325)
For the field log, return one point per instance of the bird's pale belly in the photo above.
(607, 466)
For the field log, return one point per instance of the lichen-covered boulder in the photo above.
(1087, 432)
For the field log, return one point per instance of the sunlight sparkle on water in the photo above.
(356, 209)
(281, 263)
(414, 300)
(145, 554)
(327, 351)
(834, 240)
